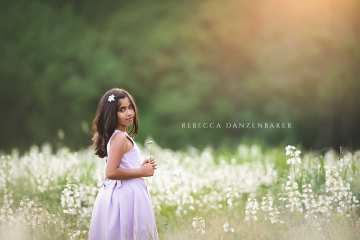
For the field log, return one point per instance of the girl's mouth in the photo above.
(130, 119)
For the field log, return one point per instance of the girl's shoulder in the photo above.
(117, 136)
(121, 139)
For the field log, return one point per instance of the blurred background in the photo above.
(183, 61)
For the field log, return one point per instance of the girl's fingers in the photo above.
(149, 161)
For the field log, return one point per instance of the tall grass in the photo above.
(251, 192)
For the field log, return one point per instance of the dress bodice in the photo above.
(132, 158)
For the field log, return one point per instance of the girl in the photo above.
(123, 208)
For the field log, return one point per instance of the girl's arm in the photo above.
(118, 148)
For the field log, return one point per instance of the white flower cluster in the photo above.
(77, 199)
(339, 193)
(198, 224)
(291, 196)
(27, 215)
(6, 210)
(271, 211)
(45, 173)
(293, 155)
(194, 181)
(337, 197)
(251, 209)
(189, 183)
(228, 228)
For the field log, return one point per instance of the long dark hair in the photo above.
(105, 121)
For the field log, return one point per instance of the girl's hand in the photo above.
(147, 169)
(150, 161)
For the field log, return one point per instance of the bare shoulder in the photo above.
(118, 141)
(117, 150)
(121, 141)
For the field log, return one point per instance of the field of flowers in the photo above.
(251, 192)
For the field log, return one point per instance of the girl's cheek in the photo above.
(121, 116)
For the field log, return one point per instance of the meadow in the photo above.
(251, 192)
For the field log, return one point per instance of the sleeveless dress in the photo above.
(123, 208)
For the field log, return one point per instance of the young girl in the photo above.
(123, 208)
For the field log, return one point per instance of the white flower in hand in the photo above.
(151, 162)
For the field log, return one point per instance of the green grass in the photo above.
(40, 176)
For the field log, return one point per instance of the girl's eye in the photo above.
(123, 109)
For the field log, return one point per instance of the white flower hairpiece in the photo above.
(111, 98)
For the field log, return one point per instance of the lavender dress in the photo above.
(123, 209)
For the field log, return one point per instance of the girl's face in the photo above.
(125, 113)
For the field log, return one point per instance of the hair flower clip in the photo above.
(111, 98)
